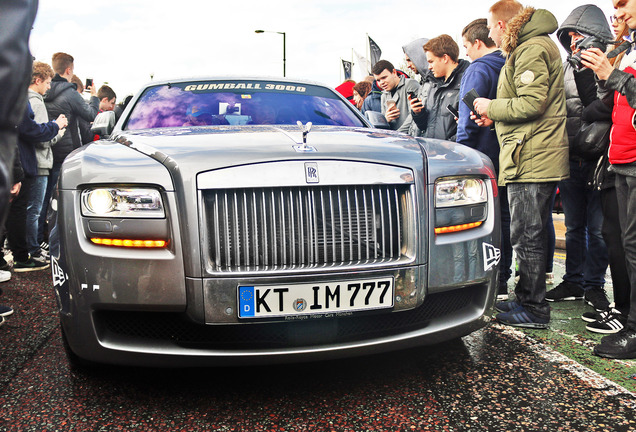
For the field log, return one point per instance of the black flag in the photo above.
(346, 65)
(374, 51)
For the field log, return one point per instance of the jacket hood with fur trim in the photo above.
(528, 23)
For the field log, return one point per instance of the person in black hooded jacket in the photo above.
(16, 20)
(63, 98)
(587, 258)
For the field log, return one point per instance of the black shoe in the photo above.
(565, 291)
(44, 246)
(520, 317)
(613, 322)
(5, 311)
(596, 297)
(31, 264)
(621, 345)
(594, 316)
(507, 306)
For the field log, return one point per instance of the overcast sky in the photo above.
(123, 42)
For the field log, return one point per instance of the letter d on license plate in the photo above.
(261, 301)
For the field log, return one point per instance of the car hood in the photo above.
(201, 149)
(168, 157)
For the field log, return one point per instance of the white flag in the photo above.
(364, 64)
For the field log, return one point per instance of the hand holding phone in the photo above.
(453, 111)
(392, 112)
(469, 99)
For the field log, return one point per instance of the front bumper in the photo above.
(174, 339)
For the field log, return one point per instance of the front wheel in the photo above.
(75, 363)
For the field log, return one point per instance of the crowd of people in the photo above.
(543, 122)
(54, 92)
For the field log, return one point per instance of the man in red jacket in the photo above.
(622, 156)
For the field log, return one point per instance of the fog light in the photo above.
(130, 243)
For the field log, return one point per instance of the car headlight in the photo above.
(460, 204)
(122, 202)
(460, 191)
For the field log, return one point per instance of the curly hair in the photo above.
(41, 70)
(363, 88)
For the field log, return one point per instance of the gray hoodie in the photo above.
(415, 51)
(43, 152)
(399, 95)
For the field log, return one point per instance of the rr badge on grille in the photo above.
(311, 172)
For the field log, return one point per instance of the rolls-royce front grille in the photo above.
(304, 227)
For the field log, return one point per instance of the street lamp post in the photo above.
(284, 45)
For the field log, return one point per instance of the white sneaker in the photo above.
(5, 275)
(549, 278)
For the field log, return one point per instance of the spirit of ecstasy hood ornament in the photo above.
(305, 130)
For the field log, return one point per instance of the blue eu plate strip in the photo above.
(246, 301)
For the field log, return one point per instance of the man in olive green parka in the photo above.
(529, 117)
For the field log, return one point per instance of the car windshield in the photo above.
(239, 102)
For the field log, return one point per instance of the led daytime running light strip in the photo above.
(457, 228)
(129, 243)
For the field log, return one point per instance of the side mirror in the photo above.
(377, 120)
(104, 124)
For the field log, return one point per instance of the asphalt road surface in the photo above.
(496, 379)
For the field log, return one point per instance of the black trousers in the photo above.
(613, 239)
(16, 222)
(8, 143)
(626, 197)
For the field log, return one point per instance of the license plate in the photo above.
(261, 301)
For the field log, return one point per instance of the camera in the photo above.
(582, 45)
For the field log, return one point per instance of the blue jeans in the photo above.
(34, 207)
(530, 208)
(505, 270)
(51, 183)
(586, 254)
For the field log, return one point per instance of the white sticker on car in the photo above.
(492, 255)
(59, 276)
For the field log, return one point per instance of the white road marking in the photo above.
(593, 379)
